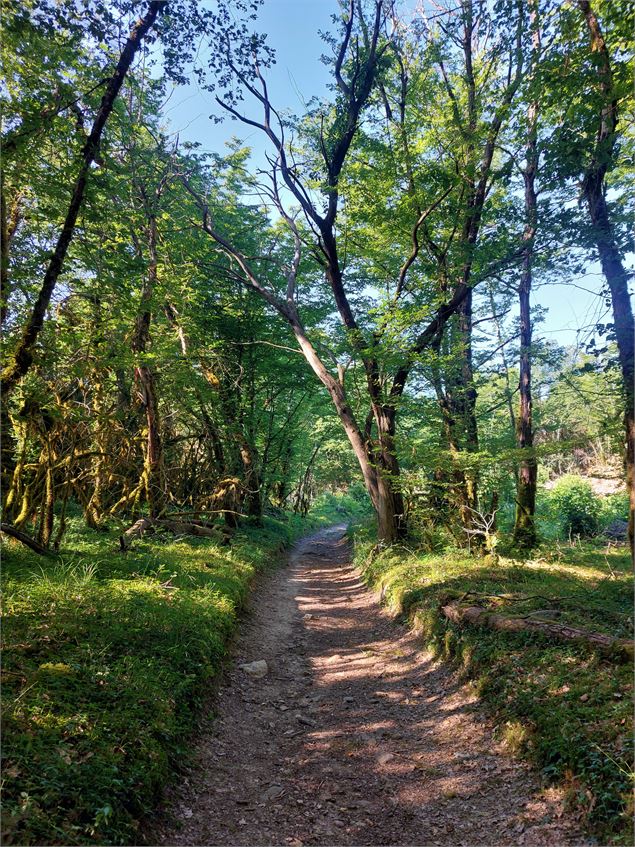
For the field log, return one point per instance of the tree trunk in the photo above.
(251, 477)
(381, 489)
(457, 401)
(623, 324)
(25, 539)
(153, 475)
(9, 221)
(610, 258)
(390, 509)
(467, 406)
(22, 357)
(525, 525)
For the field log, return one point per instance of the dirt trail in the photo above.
(354, 736)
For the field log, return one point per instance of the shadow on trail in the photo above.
(352, 737)
(397, 754)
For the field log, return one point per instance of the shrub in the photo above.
(577, 506)
(614, 507)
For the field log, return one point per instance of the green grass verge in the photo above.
(561, 705)
(104, 667)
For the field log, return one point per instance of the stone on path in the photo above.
(256, 669)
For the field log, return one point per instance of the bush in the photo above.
(614, 507)
(577, 506)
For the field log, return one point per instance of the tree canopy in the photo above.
(190, 338)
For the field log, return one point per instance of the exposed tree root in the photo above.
(621, 648)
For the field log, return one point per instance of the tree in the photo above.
(524, 525)
(330, 137)
(22, 357)
(594, 192)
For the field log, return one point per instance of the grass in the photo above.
(561, 705)
(106, 659)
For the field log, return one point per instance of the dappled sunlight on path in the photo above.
(355, 736)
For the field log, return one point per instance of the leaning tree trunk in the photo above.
(22, 356)
(380, 487)
(593, 188)
(623, 324)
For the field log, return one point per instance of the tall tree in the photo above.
(524, 525)
(602, 158)
(357, 66)
(22, 357)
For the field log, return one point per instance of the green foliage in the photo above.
(350, 506)
(106, 660)
(614, 507)
(577, 506)
(108, 655)
(561, 705)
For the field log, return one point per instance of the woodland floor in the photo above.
(355, 735)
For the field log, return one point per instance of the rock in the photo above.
(349, 699)
(256, 669)
(584, 698)
(187, 813)
(617, 530)
(304, 720)
(273, 792)
(384, 758)
(307, 617)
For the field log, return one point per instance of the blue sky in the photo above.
(293, 29)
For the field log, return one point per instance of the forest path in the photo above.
(355, 736)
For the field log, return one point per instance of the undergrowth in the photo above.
(561, 705)
(106, 656)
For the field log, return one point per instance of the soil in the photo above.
(354, 736)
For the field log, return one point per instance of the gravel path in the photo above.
(354, 736)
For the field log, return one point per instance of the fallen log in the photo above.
(144, 525)
(135, 531)
(195, 529)
(25, 539)
(478, 616)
